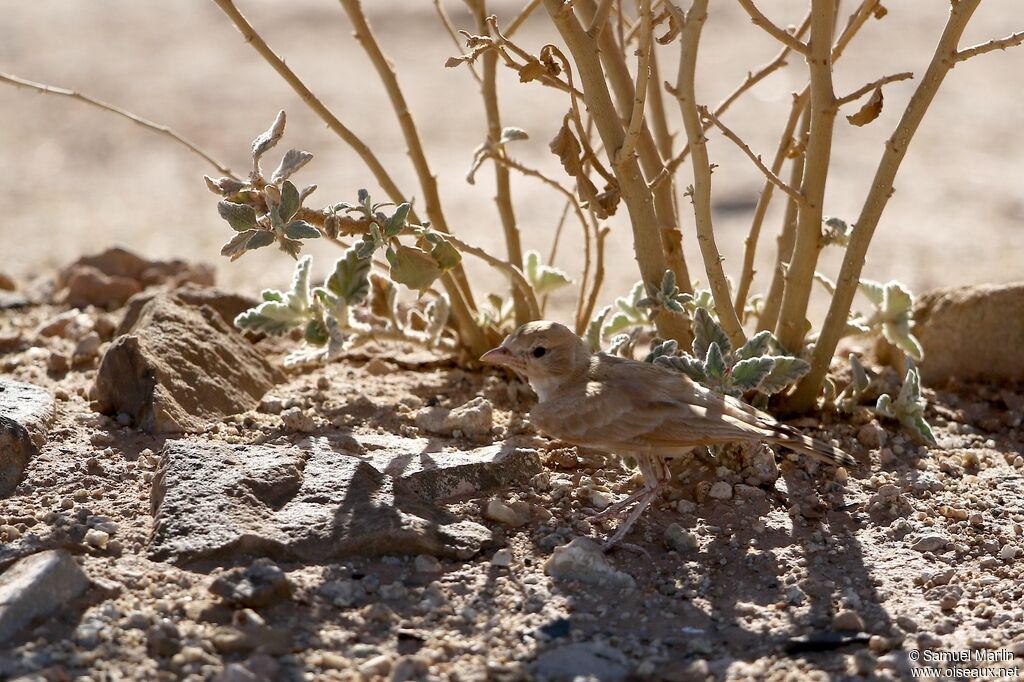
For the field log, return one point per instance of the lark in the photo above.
(626, 407)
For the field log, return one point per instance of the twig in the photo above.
(449, 28)
(514, 273)
(792, 325)
(998, 44)
(766, 24)
(523, 15)
(461, 305)
(768, 173)
(595, 289)
(635, 194)
(134, 118)
(693, 23)
(861, 91)
(643, 73)
(597, 24)
(763, 200)
(503, 192)
(556, 240)
(659, 121)
(853, 25)
(752, 79)
(943, 60)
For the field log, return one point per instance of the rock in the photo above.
(847, 619)
(583, 560)
(10, 342)
(260, 584)
(473, 419)
(870, 435)
(444, 474)
(427, 564)
(378, 666)
(258, 668)
(179, 368)
(680, 539)
(163, 639)
(296, 420)
(86, 349)
(973, 332)
(930, 543)
(228, 305)
(109, 278)
(26, 412)
(720, 490)
(36, 587)
(502, 558)
(7, 282)
(514, 515)
(317, 502)
(590, 660)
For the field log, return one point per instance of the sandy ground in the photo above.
(81, 179)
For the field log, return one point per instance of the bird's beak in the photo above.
(501, 356)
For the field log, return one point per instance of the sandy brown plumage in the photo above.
(627, 407)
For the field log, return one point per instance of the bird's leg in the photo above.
(656, 476)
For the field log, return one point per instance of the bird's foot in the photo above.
(616, 508)
(628, 546)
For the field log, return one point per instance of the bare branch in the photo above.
(449, 28)
(600, 18)
(134, 118)
(643, 73)
(999, 44)
(860, 92)
(772, 177)
(521, 18)
(766, 24)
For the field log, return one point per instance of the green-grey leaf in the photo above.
(225, 186)
(236, 247)
(446, 255)
(351, 277)
(665, 348)
(924, 432)
(714, 362)
(755, 346)
(668, 283)
(615, 324)
(748, 374)
(269, 138)
(898, 332)
(705, 332)
(316, 332)
(860, 380)
(300, 229)
(298, 293)
(874, 291)
(686, 364)
(910, 393)
(896, 300)
(260, 239)
(413, 267)
(240, 217)
(785, 371)
(272, 295)
(512, 134)
(594, 336)
(884, 405)
(394, 225)
(290, 202)
(293, 160)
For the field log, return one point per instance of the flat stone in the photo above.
(930, 543)
(973, 332)
(583, 560)
(37, 586)
(179, 368)
(26, 412)
(588, 660)
(317, 502)
(227, 304)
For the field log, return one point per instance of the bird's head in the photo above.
(548, 354)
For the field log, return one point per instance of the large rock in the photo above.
(26, 412)
(179, 368)
(110, 278)
(36, 587)
(974, 332)
(318, 502)
(227, 304)
(581, 660)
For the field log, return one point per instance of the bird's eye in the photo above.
(539, 351)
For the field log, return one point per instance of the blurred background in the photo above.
(80, 179)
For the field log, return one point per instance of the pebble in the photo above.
(1008, 552)
(583, 560)
(378, 665)
(514, 515)
(502, 558)
(97, 538)
(720, 490)
(681, 540)
(427, 564)
(295, 419)
(848, 619)
(929, 543)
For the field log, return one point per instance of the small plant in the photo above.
(908, 408)
(713, 363)
(851, 396)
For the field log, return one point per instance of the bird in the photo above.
(626, 407)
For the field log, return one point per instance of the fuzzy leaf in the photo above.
(236, 247)
(225, 186)
(543, 278)
(260, 239)
(511, 134)
(748, 374)
(884, 405)
(616, 323)
(271, 295)
(300, 229)
(240, 217)
(316, 332)
(909, 397)
(874, 291)
(756, 346)
(266, 140)
(350, 279)
(827, 283)
(917, 425)
(394, 225)
(705, 332)
(860, 381)
(446, 255)
(290, 202)
(413, 267)
(332, 225)
(665, 348)
(594, 336)
(293, 160)
(714, 362)
(898, 333)
(290, 246)
(785, 372)
(686, 364)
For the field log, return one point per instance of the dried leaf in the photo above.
(225, 186)
(531, 71)
(869, 112)
(293, 160)
(266, 141)
(567, 148)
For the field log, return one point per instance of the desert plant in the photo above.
(616, 146)
(908, 408)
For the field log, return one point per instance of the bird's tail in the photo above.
(805, 445)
